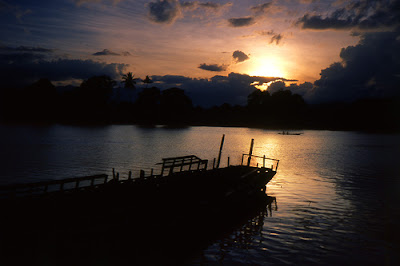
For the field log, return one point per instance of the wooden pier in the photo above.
(189, 166)
(112, 218)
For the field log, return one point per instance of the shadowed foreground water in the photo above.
(337, 192)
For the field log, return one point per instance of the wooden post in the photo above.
(105, 179)
(142, 173)
(276, 168)
(162, 169)
(62, 186)
(220, 150)
(264, 161)
(171, 170)
(117, 177)
(190, 164)
(242, 159)
(151, 173)
(77, 185)
(228, 161)
(130, 175)
(250, 152)
(214, 163)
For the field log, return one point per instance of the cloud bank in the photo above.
(233, 88)
(359, 15)
(25, 49)
(24, 68)
(369, 69)
(109, 52)
(241, 22)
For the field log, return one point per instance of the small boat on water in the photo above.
(288, 133)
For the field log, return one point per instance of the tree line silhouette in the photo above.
(97, 101)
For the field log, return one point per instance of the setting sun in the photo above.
(267, 67)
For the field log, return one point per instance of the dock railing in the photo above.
(189, 162)
(261, 161)
(62, 185)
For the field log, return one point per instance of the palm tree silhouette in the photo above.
(129, 80)
(129, 83)
(147, 80)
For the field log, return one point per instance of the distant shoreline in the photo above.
(186, 125)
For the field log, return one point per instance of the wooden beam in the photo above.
(220, 150)
(250, 152)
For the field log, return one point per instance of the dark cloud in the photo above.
(241, 22)
(109, 52)
(266, 33)
(164, 11)
(276, 86)
(301, 89)
(171, 79)
(11, 58)
(239, 56)
(262, 8)
(213, 67)
(277, 38)
(167, 11)
(369, 69)
(360, 15)
(20, 69)
(217, 90)
(190, 5)
(210, 5)
(21, 54)
(105, 52)
(25, 49)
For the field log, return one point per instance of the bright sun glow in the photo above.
(267, 67)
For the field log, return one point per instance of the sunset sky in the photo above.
(186, 43)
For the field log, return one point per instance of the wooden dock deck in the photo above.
(182, 206)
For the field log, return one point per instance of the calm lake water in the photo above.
(338, 193)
